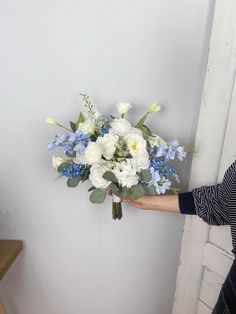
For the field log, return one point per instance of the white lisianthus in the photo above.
(135, 143)
(96, 176)
(57, 161)
(156, 140)
(154, 107)
(88, 126)
(123, 107)
(126, 174)
(141, 161)
(108, 145)
(120, 127)
(93, 153)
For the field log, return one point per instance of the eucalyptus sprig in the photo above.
(88, 104)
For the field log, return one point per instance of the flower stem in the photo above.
(116, 211)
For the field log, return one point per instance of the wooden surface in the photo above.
(9, 250)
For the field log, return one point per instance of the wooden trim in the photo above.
(208, 165)
(9, 250)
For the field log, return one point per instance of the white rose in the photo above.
(135, 143)
(57, 161)
(125, 174)
(108, 145)
(96, 176)
(136, 131)
(123, 107)
(141, 161)
(88, 126)
(93, 153)
(120, 126)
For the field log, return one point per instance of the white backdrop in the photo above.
(76, 259)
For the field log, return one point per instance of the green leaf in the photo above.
(145, 129)
(137, 191)
(91, 189)
(124, 192)
(73, 182)
(79, 120)
(64, 165)
(109, 176)
(142, 120)
(73, 126)
(146, 175)
(97, 196)
(115, 189)
(71, 155)
(150, 190)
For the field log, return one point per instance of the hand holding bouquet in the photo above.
(114, 155)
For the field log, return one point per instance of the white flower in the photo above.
(120, 126)
(96, 176)
(93, 153)
(154, 107)
(156, 140)
(135, 143)
(125, 174)
(141, 161)
(57, 161)
(88, 126)
(123, 107)
(136, 131)
(108, 145)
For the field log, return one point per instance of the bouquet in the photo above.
(114, 155)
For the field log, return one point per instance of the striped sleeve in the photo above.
(214, 204)
(209, 205)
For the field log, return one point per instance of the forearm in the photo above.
(168, 203)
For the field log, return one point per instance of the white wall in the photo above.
(76, 259)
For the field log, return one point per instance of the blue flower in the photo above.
(74, 170)
(161, 166)
(71, 142)
(162, 185)
(104, 129)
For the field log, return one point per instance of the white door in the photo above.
(206, 250)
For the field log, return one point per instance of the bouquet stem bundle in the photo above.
(116, 207)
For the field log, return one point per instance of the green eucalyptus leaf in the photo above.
(115, 189)
(150, 190)
(97, 196)
(73, 182)
(146, 175)
(137, 191)
(109, 176)
(124, 192)
(73, 126)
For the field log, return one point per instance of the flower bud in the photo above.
(154, 107)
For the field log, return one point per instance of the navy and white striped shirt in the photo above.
(215, 204)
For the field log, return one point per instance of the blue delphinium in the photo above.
(74, 170)
(168, 151)
(161, 166)
(160, 183)
(104, 129)
(71, 142)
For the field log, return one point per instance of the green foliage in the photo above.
(64, 165)
(124, 193)
(73, 182)
(145, 175)
(73, 155)
(73, 126)
(79, 120)
(136, 191)
(115, 189)
(150, 190)
(109, 176)
(97, 196)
